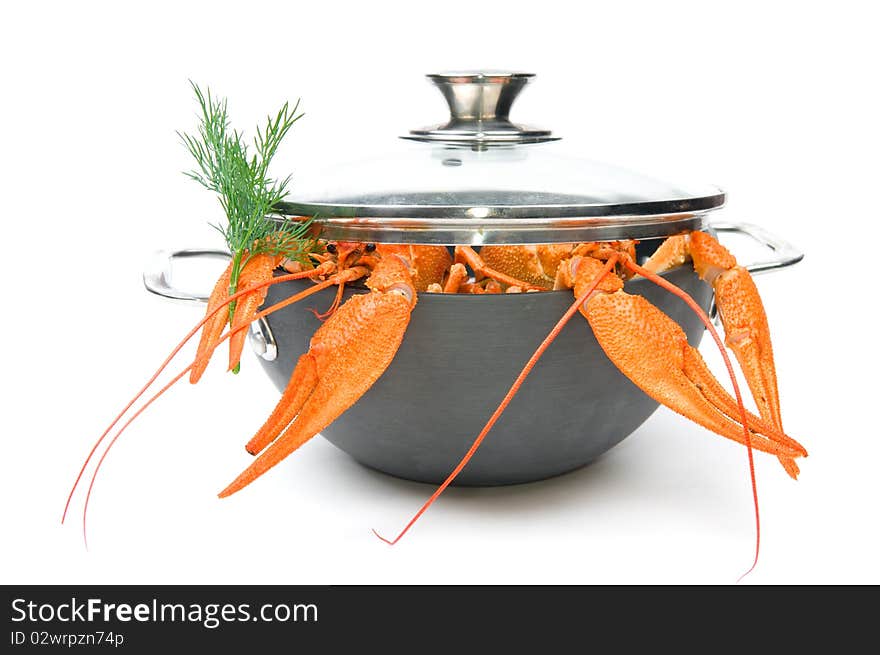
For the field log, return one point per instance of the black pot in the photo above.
(459, 357)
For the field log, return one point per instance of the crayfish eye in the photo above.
(331, 248)
(370, 247)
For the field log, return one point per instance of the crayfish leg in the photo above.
(300, 386)
(348, 353)
(509, 258)
(457, 276)
(672, 253)
(695, 369)
(213, 328)
(747, 334)
(649, 348)
(746, 330)
(257, 271)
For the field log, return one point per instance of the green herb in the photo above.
(246, 192)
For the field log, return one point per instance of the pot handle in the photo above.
(157, 280)
(786, 254)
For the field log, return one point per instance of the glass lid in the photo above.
(481, 179)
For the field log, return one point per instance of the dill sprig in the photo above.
(241, 180)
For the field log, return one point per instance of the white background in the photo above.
(775, 102)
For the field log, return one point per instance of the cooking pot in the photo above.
(481, 179)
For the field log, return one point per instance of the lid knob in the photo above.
(479, 108)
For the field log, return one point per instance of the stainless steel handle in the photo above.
(786, 254)
(157, 276)
(157, 280)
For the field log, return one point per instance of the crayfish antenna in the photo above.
(143, 407)
(580, 300)
(209, 315)
(227, 335)
(656, 279)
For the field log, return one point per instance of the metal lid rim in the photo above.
(471, 212)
